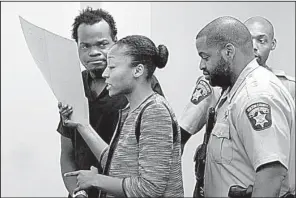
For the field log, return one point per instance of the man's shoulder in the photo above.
(154, 81)
(271, 84)
(255, 82)
(84, 74)
(156, 85)
(283, 76)
(85, 81)
(287, 81)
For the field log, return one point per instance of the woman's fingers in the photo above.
(67, 111)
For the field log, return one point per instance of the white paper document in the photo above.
(57, 58)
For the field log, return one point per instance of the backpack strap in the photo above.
(139, 119)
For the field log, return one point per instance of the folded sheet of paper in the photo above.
(57, 58)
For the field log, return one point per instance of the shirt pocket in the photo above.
(220, 145)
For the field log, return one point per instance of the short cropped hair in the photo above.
(224, 30)
(89, 16)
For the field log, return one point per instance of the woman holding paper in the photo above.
(144, 156)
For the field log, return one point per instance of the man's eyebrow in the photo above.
(102, 40)
(98, 41)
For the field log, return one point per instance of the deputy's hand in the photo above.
(65, 112)
(85, 178)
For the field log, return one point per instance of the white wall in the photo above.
(176, 25)
(130, 17)
(30, 145)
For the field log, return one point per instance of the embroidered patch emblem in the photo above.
(259, 115)
(201, 91)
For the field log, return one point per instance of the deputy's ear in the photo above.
(138, 70)
(228, 52)
(273, 44)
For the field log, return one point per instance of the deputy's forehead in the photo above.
(201, 42)
(259, 26)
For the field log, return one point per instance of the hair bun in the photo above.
(162, 56)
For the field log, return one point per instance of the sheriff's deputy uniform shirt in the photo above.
(255, 125)
(203, 97)
(288, 81)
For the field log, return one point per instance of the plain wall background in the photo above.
(30, 145)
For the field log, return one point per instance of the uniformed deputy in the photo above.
(262, 32)
(193, 118)
(253, 140)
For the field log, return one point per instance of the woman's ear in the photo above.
(138, 70)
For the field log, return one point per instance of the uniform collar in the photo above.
(241, 78)
(275, 71)
(278, 72)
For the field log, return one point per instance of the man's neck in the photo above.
(266, 66)
(238, 67)
(97, 86)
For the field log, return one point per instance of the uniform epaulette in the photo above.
(291, 78)
(282, 74)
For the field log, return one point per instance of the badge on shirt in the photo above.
(201, 91)
(259, 115)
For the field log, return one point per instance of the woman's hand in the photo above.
(65, 112)
(85, 178)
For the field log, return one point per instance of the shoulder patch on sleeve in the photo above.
(201, 91)
(259, 115)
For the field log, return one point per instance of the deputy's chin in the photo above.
(259, 61)
(209, 79)
(215, 83)
(212, 84)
